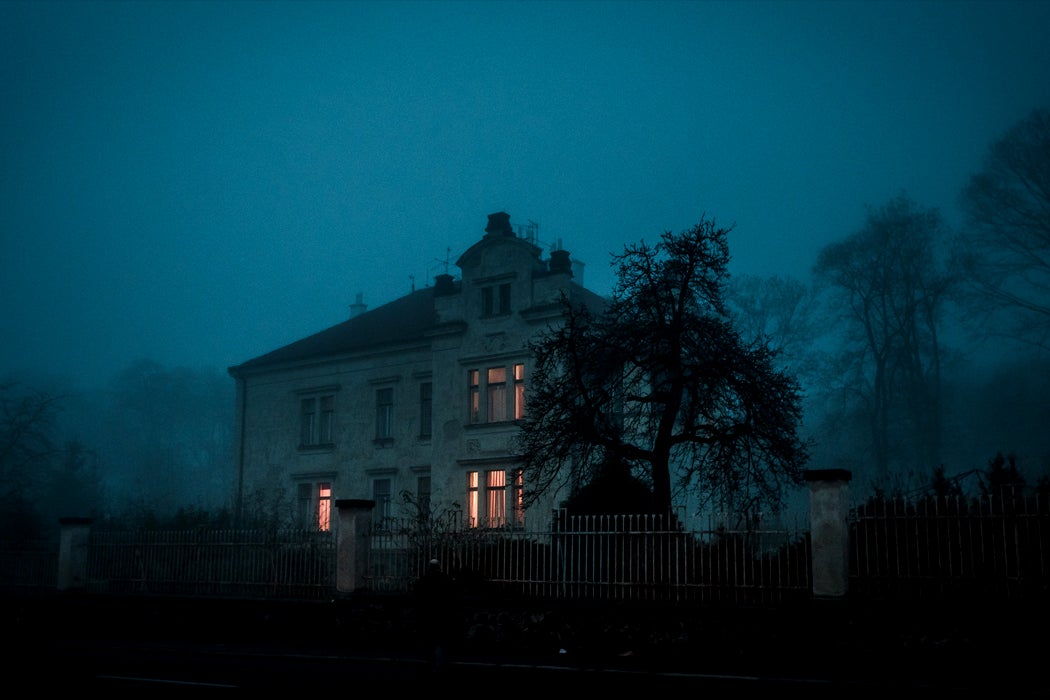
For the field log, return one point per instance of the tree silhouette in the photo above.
(892, 285)
(660, 380)
(1005, 249)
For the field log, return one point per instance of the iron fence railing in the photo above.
(935, 546)
(607, 557)
(898, 549)
(249, 563)
(28, 566)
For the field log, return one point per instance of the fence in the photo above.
(606, 557)
(29, 566)
(241, 563)
(933, 547)
(894, 549)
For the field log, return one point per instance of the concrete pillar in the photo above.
(355, 519)
(73, 553)
(829, 530)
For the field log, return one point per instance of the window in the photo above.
(496, 390)
(499, 404)
(519, 391)
(305, 507)
(307, 421)
(423, 496)
(324, 428)
(316, 420)
(426, 405)
(473, 505)
(496, 498)
(315, 505)
(381, 496)
(473, 396)
(384, 413)
(324, 506)
(495, 300)
(487, 503)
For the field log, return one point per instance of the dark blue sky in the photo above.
(199, 183)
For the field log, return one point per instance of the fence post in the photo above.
(829, 530)
(355, 517)
(73, 553)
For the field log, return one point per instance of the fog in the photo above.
(196, 184)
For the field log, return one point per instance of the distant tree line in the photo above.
(152, 447)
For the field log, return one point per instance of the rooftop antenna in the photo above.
(448, 253)
(413, 278)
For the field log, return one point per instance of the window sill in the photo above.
(324, 447)
(494, 424)
(383, 442)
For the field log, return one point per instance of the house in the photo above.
(414, 404)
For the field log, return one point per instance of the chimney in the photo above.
(358, 307)
(560, 261)
(443, 284)
(577, 272)
(499, 225)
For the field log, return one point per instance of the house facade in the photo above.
(415, 404)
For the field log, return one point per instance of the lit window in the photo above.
(315, 505)
(519, 391)
(472, 500)
(324, 506)
(496, 394)
(384, 413)
(487, 505)
(426, 404)
(496, 498)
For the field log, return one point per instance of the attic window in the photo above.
(495, 300)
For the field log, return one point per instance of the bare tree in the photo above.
(781, 311)
(42, 476)
(892, 286)
(27, 438)
(661, 381)
(1005, 249)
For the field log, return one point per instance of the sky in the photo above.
(198, 183)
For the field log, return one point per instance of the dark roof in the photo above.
(402, 320)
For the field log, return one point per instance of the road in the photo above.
(89, 642)
(111, 666)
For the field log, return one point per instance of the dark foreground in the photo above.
(823, 648)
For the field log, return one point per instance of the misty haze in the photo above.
(495, 261)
